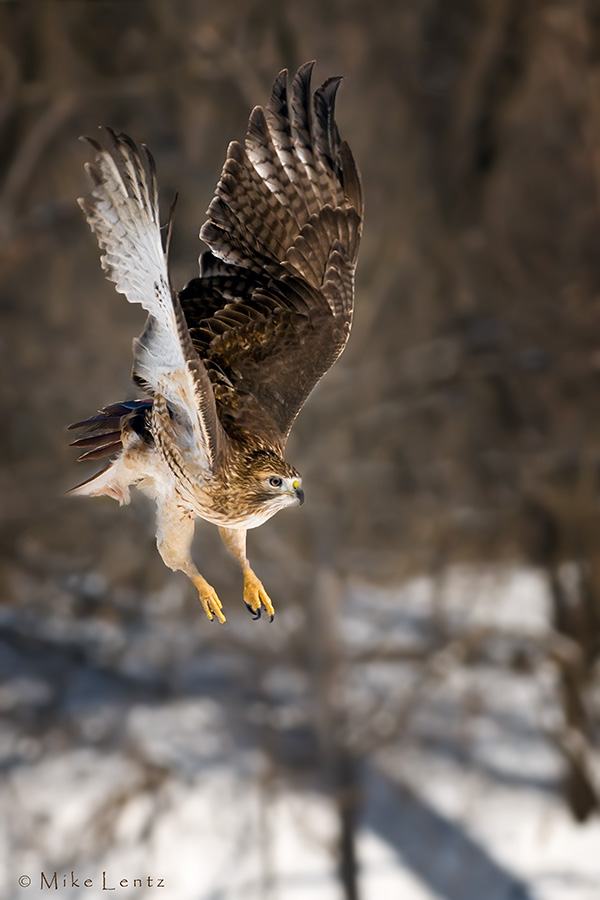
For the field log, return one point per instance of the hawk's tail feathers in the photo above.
(103, 436)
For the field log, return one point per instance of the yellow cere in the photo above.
(295, 485)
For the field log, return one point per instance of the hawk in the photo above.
(227, 363)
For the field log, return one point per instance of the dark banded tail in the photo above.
(102, 436)
(102, 432)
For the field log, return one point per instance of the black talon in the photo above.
(255, 613)
(271, 617)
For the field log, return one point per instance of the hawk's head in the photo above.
(266, 483)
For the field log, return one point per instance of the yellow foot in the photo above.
(255, 596)
(210, 601)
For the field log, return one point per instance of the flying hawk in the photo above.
(227, 363)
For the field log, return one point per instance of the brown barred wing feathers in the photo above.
(272, 308)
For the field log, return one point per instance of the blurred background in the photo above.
(421, 720)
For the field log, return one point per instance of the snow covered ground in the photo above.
(157, 791)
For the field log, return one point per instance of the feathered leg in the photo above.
(255, 595)
(174, 533)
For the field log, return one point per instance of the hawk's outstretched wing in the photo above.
(272, 308)
(122, 210)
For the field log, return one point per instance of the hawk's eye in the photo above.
(275, 481)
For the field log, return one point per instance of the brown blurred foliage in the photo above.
(463, 421)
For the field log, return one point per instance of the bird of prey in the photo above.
(227, 363)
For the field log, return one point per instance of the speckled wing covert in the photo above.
(272, 309)
(122, 210)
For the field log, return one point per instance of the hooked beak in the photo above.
(299, 493)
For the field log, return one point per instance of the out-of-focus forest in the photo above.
(438, 596)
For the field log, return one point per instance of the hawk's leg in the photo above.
(255, 595)
(174, 533)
